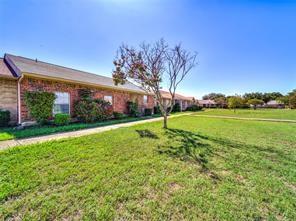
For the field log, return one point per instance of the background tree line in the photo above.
(252, 99)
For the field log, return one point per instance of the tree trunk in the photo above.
(165, 121)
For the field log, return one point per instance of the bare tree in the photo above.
(150, 65)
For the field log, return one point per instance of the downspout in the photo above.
(19, 99)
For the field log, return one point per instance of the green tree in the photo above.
(235, 102)
(283, 100)
(255, 102)
(292, 101)
(253, 95)
(213, 96)
(221, 101)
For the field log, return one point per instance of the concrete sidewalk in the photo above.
(17, 142)
(245, 118)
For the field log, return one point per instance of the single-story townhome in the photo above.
(180, 99)
(20, 74)
(207, 103)
(274, 104)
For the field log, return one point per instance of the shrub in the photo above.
(91, 110)
(4, 118)
(85, 94)
(118, 115)
(61, 119)
(40, 105)
(176, 108)
(107, 109)
(132, 108)
(194, 107)
(156, 110)
(148, 112)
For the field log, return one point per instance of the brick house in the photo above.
(180, 99)
(19, 74)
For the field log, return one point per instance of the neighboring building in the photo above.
(180, 99)
(274, 104)
(19, 74)
(207, 103)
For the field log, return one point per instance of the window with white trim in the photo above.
(62, 103)
(145, 99)
(109, 99)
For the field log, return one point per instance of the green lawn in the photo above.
(259, 113)
(12, 133)
(199, 169)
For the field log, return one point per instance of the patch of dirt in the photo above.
(173, 187)
(291, 186)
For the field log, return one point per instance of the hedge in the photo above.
(40, 105)
(4, 118)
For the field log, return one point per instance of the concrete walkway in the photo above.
(245, 118)
(17, 142)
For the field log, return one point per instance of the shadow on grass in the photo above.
(189, 146)
(147, 134)
(197, 148)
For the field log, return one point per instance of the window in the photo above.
(61, 103)
(145, 99)
(109, 99)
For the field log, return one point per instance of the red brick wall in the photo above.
(119, 97)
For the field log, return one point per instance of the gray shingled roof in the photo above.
(26, 65)
(4, 70)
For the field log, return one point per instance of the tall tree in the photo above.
(235, 102)
(292, 99)
(221, 102)
(255, 102)
(253, 95)
(150, 65)
(271, 96)
(213, 96)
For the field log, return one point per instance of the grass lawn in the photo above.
(199, 169)
(11, 133)
(259, 113)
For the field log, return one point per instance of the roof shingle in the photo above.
(4, 70)
(43, 69)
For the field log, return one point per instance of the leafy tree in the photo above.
(221, 101)
(283, 100)
(292, 100)
(255, 102)
(213, 96)
(150, 65)
(292, 93)
(253, 95)
(271, 96)
(235, 102)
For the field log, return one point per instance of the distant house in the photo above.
(180, 99)
(207, 103)
(274, 104)
(19, 74)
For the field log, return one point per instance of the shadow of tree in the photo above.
(263, 150)
(198, 148)
(189, 146)
(147, 134)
